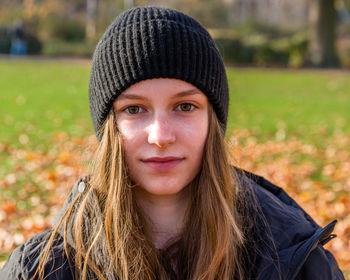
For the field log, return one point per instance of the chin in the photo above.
(160, 190)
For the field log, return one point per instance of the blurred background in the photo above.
(287, 64)
(249, 32)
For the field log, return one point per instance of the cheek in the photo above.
(195, 135)
(197, 131)
(132, 132)
(131, 137)
(126, 130)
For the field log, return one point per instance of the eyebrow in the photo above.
(177, 95)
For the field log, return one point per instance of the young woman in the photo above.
(162, 201)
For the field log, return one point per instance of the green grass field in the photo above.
(308, 104)
(40, 97)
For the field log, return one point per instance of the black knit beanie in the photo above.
(153, 42)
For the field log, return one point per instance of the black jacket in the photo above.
(297, 237)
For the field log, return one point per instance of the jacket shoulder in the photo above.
(289, 223)
(24, 260)
(297, 238)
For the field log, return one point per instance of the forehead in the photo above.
(160, 88)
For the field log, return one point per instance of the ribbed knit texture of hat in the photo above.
(153, 42)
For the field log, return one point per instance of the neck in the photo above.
(165, 213)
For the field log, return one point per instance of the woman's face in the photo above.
(164, 126)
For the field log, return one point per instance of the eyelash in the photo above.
(192, 106)
(127, 109)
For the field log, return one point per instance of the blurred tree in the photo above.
(322, 28)
(91, 13)
(347, 4)
(128, 4)
(212, 14)
(29, 9)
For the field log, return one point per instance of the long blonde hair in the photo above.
(107, 225)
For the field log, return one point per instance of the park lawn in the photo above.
(42, 97)
(277, 103)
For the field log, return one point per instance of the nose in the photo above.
(161, 132)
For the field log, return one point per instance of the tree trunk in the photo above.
(91, 12)
(128, 4)
(322, 22)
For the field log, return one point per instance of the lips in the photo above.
(162, 163)
(161, 159)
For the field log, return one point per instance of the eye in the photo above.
(185, 107)
(133, 110)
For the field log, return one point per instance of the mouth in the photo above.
(162, 163)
